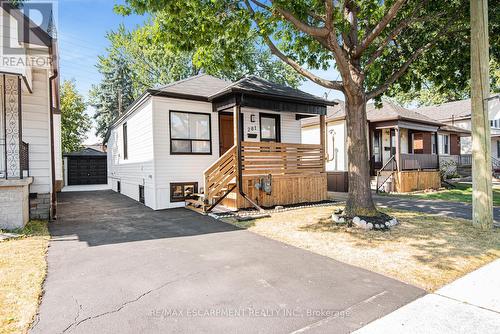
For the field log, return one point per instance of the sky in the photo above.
(81, 30)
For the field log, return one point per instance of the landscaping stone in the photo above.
(337, 219)
(369, 226)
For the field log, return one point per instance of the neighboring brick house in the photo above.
(418, 144)
(30, 121)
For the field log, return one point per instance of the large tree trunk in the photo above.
(359, 202)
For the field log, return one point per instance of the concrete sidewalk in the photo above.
(471, 304)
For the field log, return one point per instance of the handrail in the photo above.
(218, 176)
(392, 158)
(495, 162)
(214, 165)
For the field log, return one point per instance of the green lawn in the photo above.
(462, 193)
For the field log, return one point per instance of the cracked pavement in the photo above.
(117, 266)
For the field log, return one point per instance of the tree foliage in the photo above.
(144, 58)
(74, 121)
(430, 94)
(398, 45)
(115, 91)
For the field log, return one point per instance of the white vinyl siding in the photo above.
(290, 127)
(36, 132)
(174, 168)
(138, 168)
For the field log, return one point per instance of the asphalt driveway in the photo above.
(115, 266)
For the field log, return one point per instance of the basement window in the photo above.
(141, 194)
(180, 191)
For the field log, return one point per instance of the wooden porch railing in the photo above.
(465, 160)
(419, 161)
(222, 172)
(262, 158)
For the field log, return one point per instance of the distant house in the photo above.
(205, 141)
(458, 113)
(30, 135)
(401, 142)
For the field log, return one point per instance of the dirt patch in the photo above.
(22, 271)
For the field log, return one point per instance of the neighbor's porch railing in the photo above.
(465, 160)
(24, 165)
(262, 158)
(419, 161)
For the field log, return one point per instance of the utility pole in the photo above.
(482, 197)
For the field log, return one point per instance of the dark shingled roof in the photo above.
(202, 85)
(452, 128)
(85, 153)
(254, 85)
(388, 112)
(451, 110)
(447, 111)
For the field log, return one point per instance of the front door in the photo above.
(226, 132)
(377, 149)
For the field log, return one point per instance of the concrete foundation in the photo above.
(14, 203)
(40, 206)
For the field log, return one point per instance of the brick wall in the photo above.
(40, 206)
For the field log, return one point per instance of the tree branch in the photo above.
(337, 85)
(396, 31)
(301, 25)
(377, 30)
(398, 73)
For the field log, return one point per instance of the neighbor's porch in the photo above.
(259, 170)
(14, 152)
(409, 155)
(14, 156)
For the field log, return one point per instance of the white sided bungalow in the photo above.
(206, 141)
(30, 142)
(404, 146)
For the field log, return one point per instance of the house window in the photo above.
(377, 144)
(445, 144)
(269, 127)
(190, 133)
(118, 187)
(125, 144)
(433, 144)
(180, 191)
(392, 133)
(498, 148)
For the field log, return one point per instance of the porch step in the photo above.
(196, 209)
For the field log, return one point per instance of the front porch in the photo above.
(262, 162)
(410, 156)
(14, 156)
